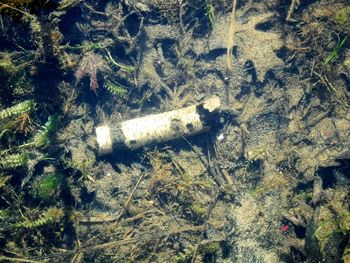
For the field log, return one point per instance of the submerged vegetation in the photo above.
(269, 183)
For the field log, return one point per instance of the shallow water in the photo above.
(263, 178)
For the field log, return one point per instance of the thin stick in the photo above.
(96, 220)
(127, 203)
(94, 10)
(145, 237)
(291, 10)
(19, 260)
(16, 9)
(209, 210)
(230, 37)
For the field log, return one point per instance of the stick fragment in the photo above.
(230, 36)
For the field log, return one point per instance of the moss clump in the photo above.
(333, 218)
(198, 210)
(184, 257)
(46, 187)
(344, 222)
(343, 16)
(210, 251)
(304, 195)
(210, 248)
(4, 213)
(7, 66)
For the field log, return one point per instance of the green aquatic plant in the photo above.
(5, 213)
(3, 180)
(198, 210)
(42, 138)
(17, 118)
(116, 89)
(46, 187)
(123, 67)
(330, 225)
(18, 109)
(16, 68)
(342, 16)
(210, 12)
(50, 216)
(304, 195)
(66, 4)
(13, 161)
(210, 247)
(184, 257)
(336, 50)
(6, 64)
(87, 46)
(17, 7)
(14, 4)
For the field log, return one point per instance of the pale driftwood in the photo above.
(160, 127)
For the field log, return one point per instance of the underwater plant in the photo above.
(17, 116)
(50, 216)
(13, 161)
(18, 109)
(116, 89)
(343, 15)
(18, 156)
(210, 12)
(335, 52)
(42, 138)
(45, 187)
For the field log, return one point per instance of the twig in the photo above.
(116, 219)
(146, 237)
(127, 203)
(94, 10)
(230, 37)
(3, 258)
(96, 220)
(207, 163)
(181, 13)
(325, 81)
(143, 237)
(150, 257)
(122, 67)
(209, 210)
(291, 10)
(18, 10)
